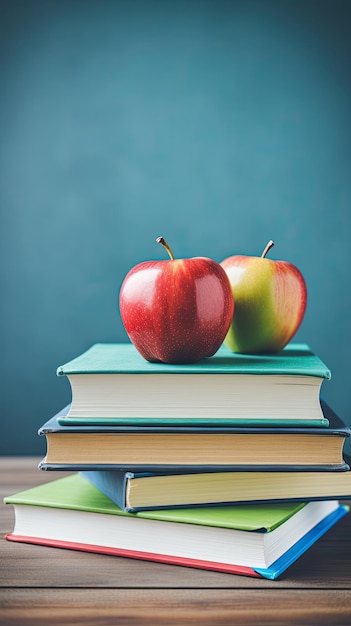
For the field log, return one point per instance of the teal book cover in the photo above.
(113, 382)
(123, 358)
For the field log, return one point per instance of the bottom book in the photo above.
(253, 540)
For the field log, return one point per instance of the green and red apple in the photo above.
(270, 302)
(176, 310)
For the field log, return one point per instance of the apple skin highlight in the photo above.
(176, 310)
(270, 303)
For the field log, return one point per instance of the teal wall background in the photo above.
(216, 124)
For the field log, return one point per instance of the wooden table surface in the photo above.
(51, 586)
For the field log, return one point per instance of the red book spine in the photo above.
(135, 554)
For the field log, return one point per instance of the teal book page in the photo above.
(74, 492)
(123, 358)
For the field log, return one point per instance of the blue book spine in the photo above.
(111, 483)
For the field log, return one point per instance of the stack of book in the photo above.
(232, 464)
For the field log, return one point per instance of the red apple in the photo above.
(270, 302)
(176, 310)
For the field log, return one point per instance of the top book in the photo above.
(113, 383)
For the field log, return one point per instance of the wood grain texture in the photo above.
(40, 585)
(154, 607)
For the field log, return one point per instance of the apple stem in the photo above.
(164, 243)
(269, 245)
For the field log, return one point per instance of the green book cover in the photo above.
(123, 358)
(74, 492)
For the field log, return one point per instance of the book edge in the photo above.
(272, 573)
(295, 552)
(133, 554)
